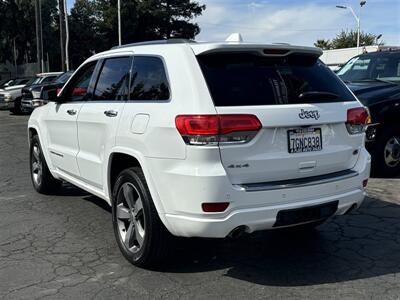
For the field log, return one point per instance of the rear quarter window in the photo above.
(149, 79)
(240, 79)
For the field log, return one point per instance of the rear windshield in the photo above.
(238, 79)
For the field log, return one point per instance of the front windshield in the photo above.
(34, 80)
(379, 67)
(63, 77)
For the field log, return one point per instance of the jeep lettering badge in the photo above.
(308, 114)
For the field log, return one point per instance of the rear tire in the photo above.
(140, 234)
(386, 153)
(42, 180)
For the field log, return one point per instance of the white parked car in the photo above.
(203, 140)
(12, 91)
(11, 97)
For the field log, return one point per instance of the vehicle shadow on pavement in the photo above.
(361, 245)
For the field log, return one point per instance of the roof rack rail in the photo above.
(156, 42)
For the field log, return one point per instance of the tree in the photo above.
(83, 31)
(93, 26)
(18, 25)
(172, 17)
(348, 39)
(323, 44)
(148, 20)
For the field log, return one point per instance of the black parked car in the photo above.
(32, 95)
(375, 79)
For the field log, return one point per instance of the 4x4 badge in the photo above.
(308, 114)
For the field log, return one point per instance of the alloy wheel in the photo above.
(130, 217)
(392, 152)
(37, 165)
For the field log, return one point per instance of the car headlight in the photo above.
(8, 97)
(37, 103)
(36, 94)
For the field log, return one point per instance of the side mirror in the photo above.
(50, 92)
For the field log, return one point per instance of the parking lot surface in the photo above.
(63, 247)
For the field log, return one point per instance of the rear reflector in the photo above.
(357, 119)
(217, 129)
(215, 207)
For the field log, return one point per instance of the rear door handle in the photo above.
(111, 113)
(71, 112)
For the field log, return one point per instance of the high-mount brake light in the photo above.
(357, 119)
(217, 129)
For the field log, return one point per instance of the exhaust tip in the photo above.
(353, 207)
(238, 232)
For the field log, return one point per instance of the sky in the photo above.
(299, 22)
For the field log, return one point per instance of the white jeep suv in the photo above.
(203, 140)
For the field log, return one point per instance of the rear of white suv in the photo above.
(284, 147)
(205, 140)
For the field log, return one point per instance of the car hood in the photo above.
(12, 88)
(370, 93)
(38, 87)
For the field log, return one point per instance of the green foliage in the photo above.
(346, 39)
(323, 44)
(93, 26)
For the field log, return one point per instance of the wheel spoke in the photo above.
(129, 235)
(35, 167)
(36, 153)
(122, 212)
(396, 141)
(138, 207)
(128, 194)
(139, 234)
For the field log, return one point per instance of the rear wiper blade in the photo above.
(318, 95)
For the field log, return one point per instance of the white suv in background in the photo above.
(203, 140)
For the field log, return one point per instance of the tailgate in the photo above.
(302, 106)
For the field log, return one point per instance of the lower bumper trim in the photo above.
(298, 182)
(306, 214)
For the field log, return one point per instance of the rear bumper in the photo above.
(254, 219)
(31, 104)
(255, 210)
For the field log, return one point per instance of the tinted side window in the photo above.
(77, 89)
(249, 79)
(113, 80)
(149, 79)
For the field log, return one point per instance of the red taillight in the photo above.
(214, 129)
(215, 207)
(236, 123)
(197, 125)
(357, 118)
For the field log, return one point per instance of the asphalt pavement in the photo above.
(63, 247)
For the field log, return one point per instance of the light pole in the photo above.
(119, 22)
(362, 3)
(62, 39)
(66, 35)
(39, 37)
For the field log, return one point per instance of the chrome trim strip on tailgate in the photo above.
(295, 183)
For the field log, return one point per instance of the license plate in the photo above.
(304, 140)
